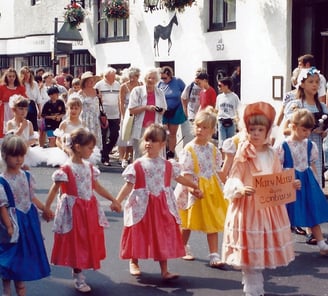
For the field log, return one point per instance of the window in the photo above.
(222, 15)
(82, 61)
(113, 30)
(36, 61)
(4, 62)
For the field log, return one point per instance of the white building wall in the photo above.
(261, 41)
(29, 29)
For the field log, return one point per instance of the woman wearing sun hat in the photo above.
(90, 106)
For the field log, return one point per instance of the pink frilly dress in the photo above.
(79, 221)
(151, 220)
(254, 239)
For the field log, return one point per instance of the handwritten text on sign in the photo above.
(274, 189)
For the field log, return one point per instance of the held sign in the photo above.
(274, 189)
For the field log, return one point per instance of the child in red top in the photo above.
(151, 219)
(79, 236)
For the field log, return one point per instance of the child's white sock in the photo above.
(322, 245)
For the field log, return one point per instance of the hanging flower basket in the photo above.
(74, 14)
(178, 5)
(116, 9)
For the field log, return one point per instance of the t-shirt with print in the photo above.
(53, 108)
(191, 93)
(227, 105)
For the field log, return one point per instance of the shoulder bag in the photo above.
(127, 125)
(102, 114)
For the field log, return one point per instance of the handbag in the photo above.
(127, 125)
(102, 115)
(226, 122)
(4, 237)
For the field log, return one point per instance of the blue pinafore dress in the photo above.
(311, 206)
(27, 259)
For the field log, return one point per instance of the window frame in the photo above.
(225, 24)
(115, 23)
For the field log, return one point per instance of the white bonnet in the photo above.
(304, 73)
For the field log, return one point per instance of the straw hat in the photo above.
(85, 76)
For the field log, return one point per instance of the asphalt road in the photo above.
(307, 275)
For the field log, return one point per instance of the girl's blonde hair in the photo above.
(76, 81)
(13, 145)
(82, 137)
(74, 101)
(207, 117)
(303, 118)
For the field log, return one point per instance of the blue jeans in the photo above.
(225, 132)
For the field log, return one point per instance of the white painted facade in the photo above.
(261, 40)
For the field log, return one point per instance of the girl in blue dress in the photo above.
(310, 208)
(26, 259)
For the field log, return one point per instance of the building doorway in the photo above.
(220, 69)
(310, 32)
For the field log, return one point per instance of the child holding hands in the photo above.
(25, 259)
(201, 162)
(151, 220)
(253, 238)
(79, 236)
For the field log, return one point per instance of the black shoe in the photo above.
(169, 154)
(298, 230)
(310, 239)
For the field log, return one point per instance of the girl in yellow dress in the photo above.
(201, 162)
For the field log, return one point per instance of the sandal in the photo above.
(170, 276)
(189, 256)
(215, 261)
(298, 230)
(134, 269)
(310, 239)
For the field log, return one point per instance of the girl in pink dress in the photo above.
(255, 239)
(79, 236)
(151, 219)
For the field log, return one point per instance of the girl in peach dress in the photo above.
(255, 239)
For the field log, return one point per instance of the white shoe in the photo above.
(189, 256)
(324, 250)
(80, 284)
(124, 163)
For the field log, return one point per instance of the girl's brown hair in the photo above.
(300, 94)
(13, 145)
(155, 133)
(5, 78)
(82, 137)
(21, 102)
